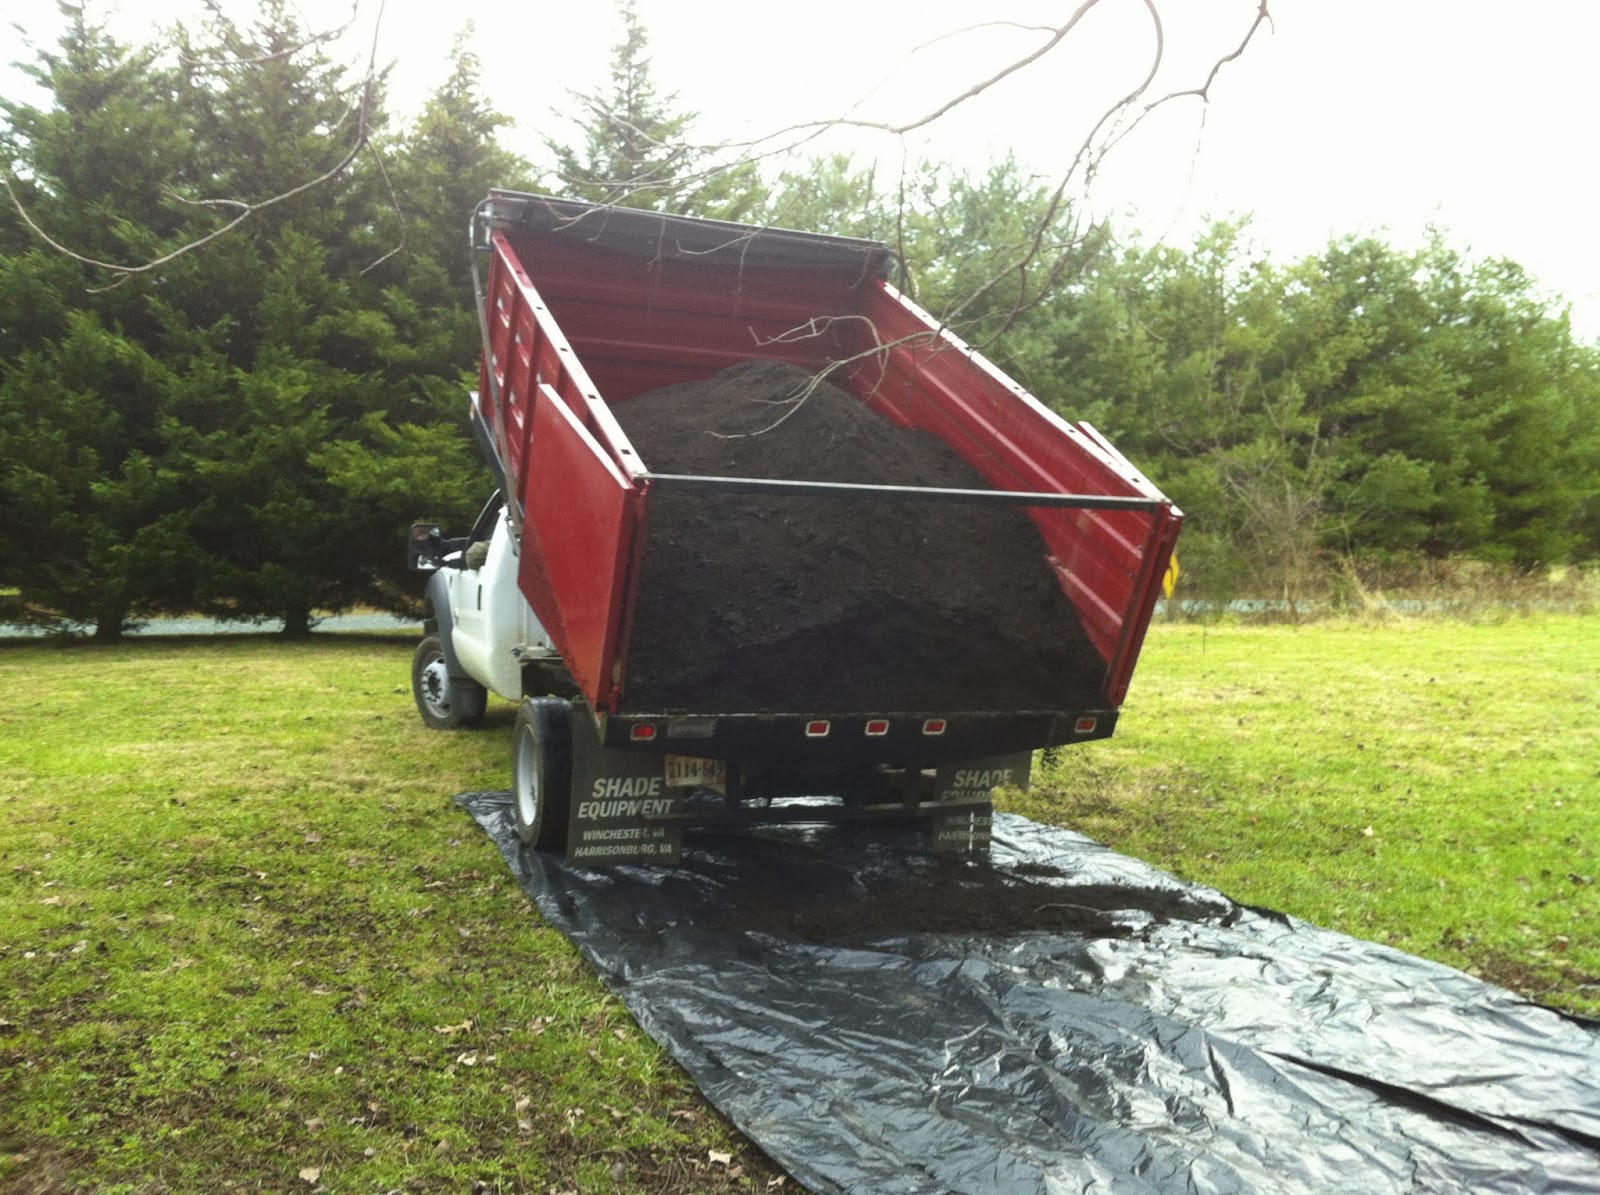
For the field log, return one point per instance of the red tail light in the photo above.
(642, 733)
(877, 727)
(934, 726)
(818, 729)
(1085, 725)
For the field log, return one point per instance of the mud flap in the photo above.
(618, 799)
(970, 785)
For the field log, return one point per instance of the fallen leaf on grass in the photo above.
(463, 931)
(717, 1158)
(179, 964)
(316, 1124)
(311, 1174)
(80, 946)
(1368, 832)
(51, 900)
(452, 1030)
(468, 1059)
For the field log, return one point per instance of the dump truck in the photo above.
(584, 308)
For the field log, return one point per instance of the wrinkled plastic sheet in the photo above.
(1064, 1019)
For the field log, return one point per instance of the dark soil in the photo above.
(757, 603)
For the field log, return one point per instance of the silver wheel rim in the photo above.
(526, 770)
(436, 688)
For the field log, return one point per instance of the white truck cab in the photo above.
(481, 632)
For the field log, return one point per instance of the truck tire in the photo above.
(541, 772)
(445, 702)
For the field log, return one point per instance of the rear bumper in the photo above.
(800, 742)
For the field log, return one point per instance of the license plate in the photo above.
(690, 771)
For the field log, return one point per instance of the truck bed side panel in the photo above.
(1108, 561)
(577, 540)
(528, 349)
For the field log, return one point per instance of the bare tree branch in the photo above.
(400, 245)
(315, 39)
(246, 210)
(818, 327)
(1051, 251)
(233, 203)
(962, 32)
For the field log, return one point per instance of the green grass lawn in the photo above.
(248, 943)
(244, 933)
(1432, 785)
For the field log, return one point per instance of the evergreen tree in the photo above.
(81, 396)
(442, 168)
(636, 151)
(333, 327)
(95, 525)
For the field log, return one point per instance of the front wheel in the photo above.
(541, 772)
(444, 701)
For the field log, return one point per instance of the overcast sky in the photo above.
(1347, 116)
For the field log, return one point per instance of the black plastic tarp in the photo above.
(1065, 1019)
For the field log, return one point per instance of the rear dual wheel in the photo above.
(541, 772)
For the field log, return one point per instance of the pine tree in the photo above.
(636, 150)
(92, 504)
(353, 334)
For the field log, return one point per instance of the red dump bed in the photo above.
(589, 306)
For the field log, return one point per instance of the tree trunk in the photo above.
(109, 621)
(297, 621)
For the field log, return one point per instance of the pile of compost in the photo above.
(771, 603)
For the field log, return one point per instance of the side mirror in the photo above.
(425, 550)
